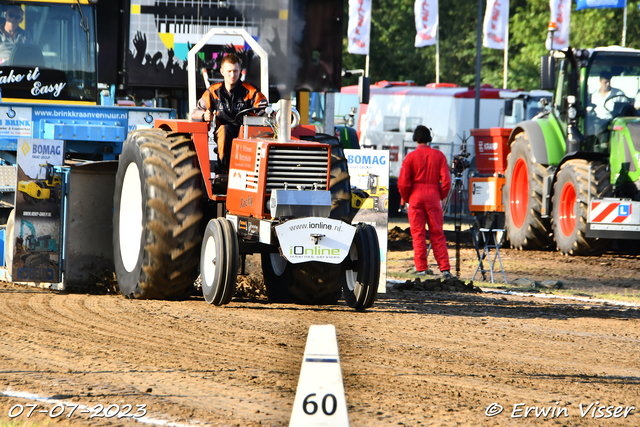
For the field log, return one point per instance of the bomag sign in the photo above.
(366, 159)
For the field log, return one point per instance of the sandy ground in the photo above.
(416, 358)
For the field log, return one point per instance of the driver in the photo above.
(10, 31)
(601, 95)
(223, 101)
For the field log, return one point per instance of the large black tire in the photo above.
(394, 197)
(361, 282)
(157, 217)
(522, 198)
(276, 272)
(339, 185)
(570, 206)
(219, 262)
(316, 283)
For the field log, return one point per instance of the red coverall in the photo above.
(424, 181)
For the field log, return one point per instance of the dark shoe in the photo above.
(447, 275)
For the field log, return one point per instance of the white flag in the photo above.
(561, 15)
(426, 12)
(496, 24)
(359, 26)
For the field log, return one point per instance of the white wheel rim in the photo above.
(278, 264)
(130, 220)
(350, 275)
(210, 259)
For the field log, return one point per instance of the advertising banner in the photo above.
(496, 24)
(369, 171)
(34, 83)
(561, 15)
(600, 4)
(359, 27)
(426, 13)
(331, 246)
(37, 245)
(161, 34)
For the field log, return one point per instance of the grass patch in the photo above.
(31, 423)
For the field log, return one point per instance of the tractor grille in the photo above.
(290, 166)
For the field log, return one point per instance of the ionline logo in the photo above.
(316, 250)
(25, 148)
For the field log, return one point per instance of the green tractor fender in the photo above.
(545, 138)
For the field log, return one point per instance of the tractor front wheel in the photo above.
(522, 198)
(157, 215)
(570, 206)
(361, 281)
(219, 262)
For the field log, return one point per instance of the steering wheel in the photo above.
(619, 98)
(244, 112)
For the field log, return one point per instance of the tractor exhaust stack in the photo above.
(284, 125)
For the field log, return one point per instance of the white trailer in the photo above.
(395, 111)
(396, 108)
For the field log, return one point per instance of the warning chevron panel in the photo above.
(613, 212)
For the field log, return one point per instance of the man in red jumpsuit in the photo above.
(425, 181)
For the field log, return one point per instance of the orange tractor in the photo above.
(285, 196)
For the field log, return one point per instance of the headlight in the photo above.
(572, 113)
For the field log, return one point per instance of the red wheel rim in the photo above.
(519, 197)
(567, 217)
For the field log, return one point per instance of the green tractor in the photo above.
(573, 173)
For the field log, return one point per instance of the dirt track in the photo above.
(416, 358)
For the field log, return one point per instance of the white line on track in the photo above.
(144, 420)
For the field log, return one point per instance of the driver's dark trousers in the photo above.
(224, 137)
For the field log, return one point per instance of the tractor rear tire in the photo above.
(361, 284)
(522, 198)
(339, 185)
(157, 221)
(394, 197)
(219, 261)
(276, 272)
(316, 283)
(570, 206)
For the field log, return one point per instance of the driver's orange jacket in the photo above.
(227, 104)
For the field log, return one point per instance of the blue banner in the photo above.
(600, 4)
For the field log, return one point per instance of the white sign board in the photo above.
(315, 239)
(37, 244)
(369, 171)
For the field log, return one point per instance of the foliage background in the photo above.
(393, 56)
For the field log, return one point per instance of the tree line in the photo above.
(393, 56)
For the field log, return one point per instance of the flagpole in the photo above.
(506, 54)
(476, 112)
(624, 25)
(366, 66)
(438, 52)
